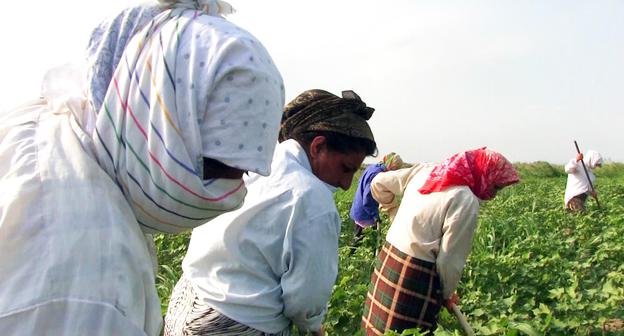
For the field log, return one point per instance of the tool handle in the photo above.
(462, 320)
(587, 175)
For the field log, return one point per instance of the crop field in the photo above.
(534, 269)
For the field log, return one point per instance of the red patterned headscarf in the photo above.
(482, 170)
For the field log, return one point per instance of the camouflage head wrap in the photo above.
(319, 110)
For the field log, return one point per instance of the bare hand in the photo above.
(320, 332)
(452, 301)
(579, 156)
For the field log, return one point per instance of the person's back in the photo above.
(255, 250)
(56, 201)
(73, 257)
(364, 209)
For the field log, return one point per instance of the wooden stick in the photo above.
(587, 175)
(462, 320)
(378, 237)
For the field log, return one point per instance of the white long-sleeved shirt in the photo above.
(577, 180)
(274, 261)
(436, 227)
(73, 259)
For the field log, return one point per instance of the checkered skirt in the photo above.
(404, 293)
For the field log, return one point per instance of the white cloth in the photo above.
(63, 271)
(577, 179)
(436, 227)
(106, 46)
(189, 85)
(274, 261)
(213, 7)
(73, 260)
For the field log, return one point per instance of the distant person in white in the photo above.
(578, 188)
(272, 263)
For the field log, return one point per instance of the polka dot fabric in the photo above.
(181, 92)
(239, 120)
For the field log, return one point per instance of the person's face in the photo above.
(334, 168)
(495, 190)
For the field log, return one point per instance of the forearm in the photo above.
(456, 241)
(450, 273)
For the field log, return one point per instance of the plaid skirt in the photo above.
(404, 293)
(187, 315)
(577, 203)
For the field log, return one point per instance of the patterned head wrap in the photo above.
(482, 170)
(106, 45)
(593, 158)
(318, 110)
(392, 161)
(109, 39)
(212, 7)
(186, 87)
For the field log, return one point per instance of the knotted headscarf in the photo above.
(392, 161)
(319, 110)
(482, 170)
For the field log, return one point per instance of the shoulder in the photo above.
(312, 195)
(288, 174)
(463, 196)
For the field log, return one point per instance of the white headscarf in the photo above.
(108, 42)
(109, 39)
(212, 7)
(593, 159)
(188, 86)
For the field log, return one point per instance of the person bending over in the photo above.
(421, 262)
(272, 263)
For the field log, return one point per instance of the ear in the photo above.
(318, 144)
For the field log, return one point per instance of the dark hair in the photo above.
(339, 142)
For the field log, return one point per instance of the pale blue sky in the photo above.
(525, 78)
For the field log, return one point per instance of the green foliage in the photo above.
(534, 269)
(535, 266)
(171, 251)
(612, 170)
(539, 169)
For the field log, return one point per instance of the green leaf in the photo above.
(525, 328)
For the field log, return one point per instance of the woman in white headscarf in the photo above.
(194, 102)
(578, 186)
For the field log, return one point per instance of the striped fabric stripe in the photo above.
(140, 145)
(188, 315)
(135, 76)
